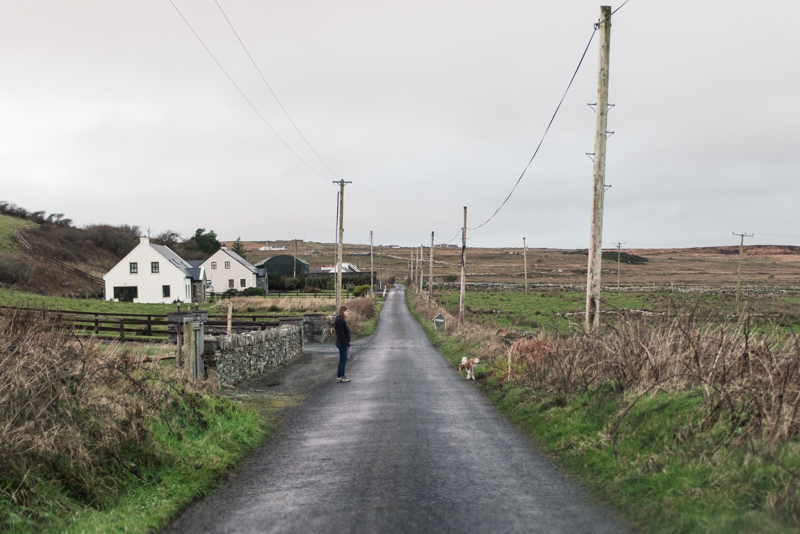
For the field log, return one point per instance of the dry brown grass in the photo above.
(68, 410)
(755, 383)
(250, 304)
(360, 311)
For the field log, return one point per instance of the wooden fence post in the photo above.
(122, 329)
(96, 324)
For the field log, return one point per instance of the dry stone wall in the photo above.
(240, 357)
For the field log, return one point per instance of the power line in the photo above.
(271, 91)
(545, 132)
(243, 95)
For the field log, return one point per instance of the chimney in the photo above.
(145, 240)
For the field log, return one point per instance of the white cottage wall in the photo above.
(149, 284)
(219, 276)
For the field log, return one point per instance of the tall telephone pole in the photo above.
(463, 269)
(619, 254)
(380, 266)
(341, 183)
(599, 177)
(739, 275)
(430, 274)
(525, 261)
(371, 267)
(421, 269)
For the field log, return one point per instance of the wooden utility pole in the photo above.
(341, 183)
(739, 275)
(294, 269)
(421, 270)
(463, 269)
(599, 177)
(525, 261)
(380, 266)
(619, 254)
(430, 274)
(411, 268)
(371, 267)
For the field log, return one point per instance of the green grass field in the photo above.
(563, 310)
(7, 226)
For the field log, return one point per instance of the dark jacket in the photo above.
(342, 331)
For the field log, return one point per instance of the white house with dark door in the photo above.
(154, 274)
(225, 270)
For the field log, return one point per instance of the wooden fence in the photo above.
(152, 327)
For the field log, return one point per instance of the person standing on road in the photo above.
(342, 342)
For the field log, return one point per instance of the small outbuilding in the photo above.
(284, 265)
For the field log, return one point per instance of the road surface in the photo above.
(409, 446)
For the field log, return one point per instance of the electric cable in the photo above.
(545, 132)
(244, 95)
(273, 92)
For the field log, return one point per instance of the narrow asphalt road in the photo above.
(408, 446)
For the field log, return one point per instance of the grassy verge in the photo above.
(190, 464)
(97, 438)
(673, 457)
(562, 311)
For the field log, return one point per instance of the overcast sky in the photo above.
(113, 112)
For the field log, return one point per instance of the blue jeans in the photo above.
(343, 349)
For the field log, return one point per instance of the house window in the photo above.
(227, 265)
(134, 267)
(213, 265)
(165, 291)
(154, 267)
(243, 282)
(126, 293)
(230, 283)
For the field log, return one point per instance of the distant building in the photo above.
(346, 268)
(284, 265)
(227, 270)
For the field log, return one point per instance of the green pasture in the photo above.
(563, 310)
(7, 226)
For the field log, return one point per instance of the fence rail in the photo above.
(151, 327)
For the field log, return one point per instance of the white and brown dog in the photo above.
(469, 366)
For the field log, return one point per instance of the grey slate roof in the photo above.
(241, 260)
(177, 261)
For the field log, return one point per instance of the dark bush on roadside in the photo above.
(309, 289)
(253, 292)
(291, 284)
(16, 269)
(232, 292)
(360, 291)
(73, 417)
(275, 282)
(450, 278)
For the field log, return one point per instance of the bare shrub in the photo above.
(16, 269)
(71, 414)
(360, 311)
(754, 382)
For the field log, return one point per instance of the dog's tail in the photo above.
(464, 359)
(477, 360)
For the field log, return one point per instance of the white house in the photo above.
(152, 274)
(346, 268)
(227, 270)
